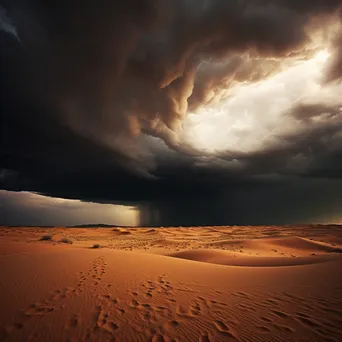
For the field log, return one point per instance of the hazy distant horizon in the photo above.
(29, 209)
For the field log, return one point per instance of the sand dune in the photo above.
(299, 243)
(126, 291)
(232, 259)
(290, 246)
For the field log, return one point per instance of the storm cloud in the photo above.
(144, 101)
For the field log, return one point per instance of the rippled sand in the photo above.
(171, 284)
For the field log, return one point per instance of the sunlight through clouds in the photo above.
(255, 114)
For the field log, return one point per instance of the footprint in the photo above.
(171, 324)
(224, 329)
(134, 303)
(7, 330)
(39, 309)
(18, 325)
(121, 311)
(147, 317)
(74, 321)
(103, 322)
(182, 311)
(158, 338)
(204, 338)
(111, 326)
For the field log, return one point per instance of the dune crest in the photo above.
(232, 259)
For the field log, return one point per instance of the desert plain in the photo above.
(269, 283)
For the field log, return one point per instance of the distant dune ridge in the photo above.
(171, 284)
(97, 225)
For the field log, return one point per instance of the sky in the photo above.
(38, 210)
(171, 112)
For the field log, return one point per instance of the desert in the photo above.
(171, 171)
(268, 283)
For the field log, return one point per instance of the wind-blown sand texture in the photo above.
(172, 284)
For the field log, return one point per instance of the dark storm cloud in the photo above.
(335, 71)
(93, 95)
(25, 208)
(282, 201)
(6, 23)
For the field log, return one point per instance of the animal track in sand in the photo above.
(159, 338)
(222, 328)
(182, 311)
(54, 300)
(161, 286)
(98, 269)
(120, 311)
(205, 338)
(74, 322)
(206, 302)
(57, 299)
(195, 309)
(7, 330)
(103, 321)
(134, 303)
(39, 309)
(171, 324)
(209, 303)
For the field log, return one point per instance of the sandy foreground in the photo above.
(171, 284)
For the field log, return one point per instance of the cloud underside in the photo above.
(140, 100)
